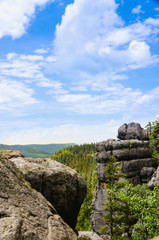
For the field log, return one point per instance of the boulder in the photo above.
(132, 131)
(59, 184)
(24, 212)
(88, 236)
(155, 179)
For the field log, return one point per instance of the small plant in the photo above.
(131, 143)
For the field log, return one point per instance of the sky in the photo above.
(73, 71)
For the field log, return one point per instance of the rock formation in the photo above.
(132, 131)
(59, 184)
(135, 160)
(155, 179)
(24, 212)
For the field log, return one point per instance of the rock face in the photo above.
(135, 160)
(24, 213)
(132, 131)
(59, 184)
(155, 179)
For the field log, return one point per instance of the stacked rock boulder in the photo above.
(134, 157)
(39, 198)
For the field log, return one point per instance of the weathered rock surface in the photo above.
(97, 220)
(135, 160)
(155, 179)
(24, 213)
(59, 184)
(89, 236)
(132, 131)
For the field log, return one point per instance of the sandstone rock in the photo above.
(8, 154)
(101, 174)
(24, 213)
(155, 238)
(134, 157)
(89, 236)
(137, 167)
(124, 154)
(97, 220)
(59, 184)
(155, 179)
(132, 131)
(147, 172)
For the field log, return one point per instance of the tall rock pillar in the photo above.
(134, 157)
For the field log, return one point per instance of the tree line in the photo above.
(82, 159)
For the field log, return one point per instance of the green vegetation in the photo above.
(117, 217)
(36, 150)
(131, 212)
(154, 139)
(143, 205)
(82, 159)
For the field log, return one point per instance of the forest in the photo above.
(82, 159)
(132, 211)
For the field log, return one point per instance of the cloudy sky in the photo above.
(75, 70)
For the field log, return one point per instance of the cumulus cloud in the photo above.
(82, 30)
(92, 51)
(15, 16)
(93, 38)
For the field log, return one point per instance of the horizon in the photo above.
(74, 71)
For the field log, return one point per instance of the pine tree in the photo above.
(113, 184)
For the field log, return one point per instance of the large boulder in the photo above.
(59, 184)
(24, 212)
(132, 131)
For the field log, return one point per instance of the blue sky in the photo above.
(75, 70)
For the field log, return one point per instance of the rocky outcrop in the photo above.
(135, 160)
(155, 179)
(59, 184)
(132, 131)
(24, 212)
(88, 236)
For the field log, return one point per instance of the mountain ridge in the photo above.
(37, 150)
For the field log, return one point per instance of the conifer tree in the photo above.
(113, 184)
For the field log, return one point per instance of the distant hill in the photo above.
(37, 150)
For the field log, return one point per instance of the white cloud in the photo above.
(90, 57)
(113, 99)
(94, 39)
(81, 32)
(72, 132)
(28, 68)
(139, 51)
(14, 94)
(137, 10)
(41, 51)
(19, 74)
(15, 16)
(152, 21)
